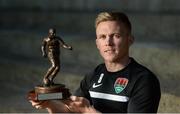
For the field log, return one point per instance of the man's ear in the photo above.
(131, 40)
(97, 43)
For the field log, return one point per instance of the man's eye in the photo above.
(117, 35)
(102, 37)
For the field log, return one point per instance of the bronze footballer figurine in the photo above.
(51, 49)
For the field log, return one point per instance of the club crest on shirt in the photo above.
(120, 84)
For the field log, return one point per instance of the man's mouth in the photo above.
(109, 50)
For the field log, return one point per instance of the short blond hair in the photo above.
(113, 16)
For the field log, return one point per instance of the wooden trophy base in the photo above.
(56, 91)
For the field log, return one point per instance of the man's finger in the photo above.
(35, 103)
(73, 98)
(38, 107)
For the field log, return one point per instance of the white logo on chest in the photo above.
(96, 85)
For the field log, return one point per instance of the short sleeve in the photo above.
(145, 96)
(83, 89)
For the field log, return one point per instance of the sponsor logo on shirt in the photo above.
(120, 84)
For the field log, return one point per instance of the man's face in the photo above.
(113, 40)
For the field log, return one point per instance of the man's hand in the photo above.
(39, 104)
(73, 104)
(52, 106)
(80, 105)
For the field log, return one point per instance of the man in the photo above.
(120, 84)
(51, 45)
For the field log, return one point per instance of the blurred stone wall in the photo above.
(24, 22)
(153, 20)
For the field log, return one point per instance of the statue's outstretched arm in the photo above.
(64, 45)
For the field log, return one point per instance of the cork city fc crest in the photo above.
(120, 84)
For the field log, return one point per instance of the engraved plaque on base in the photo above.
(57, 91)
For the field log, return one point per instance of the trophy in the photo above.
(48, 89)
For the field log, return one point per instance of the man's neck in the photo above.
(117, 66)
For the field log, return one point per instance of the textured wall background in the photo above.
(155, 20)
(23, 24)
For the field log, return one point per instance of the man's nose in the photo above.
(109, 40)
